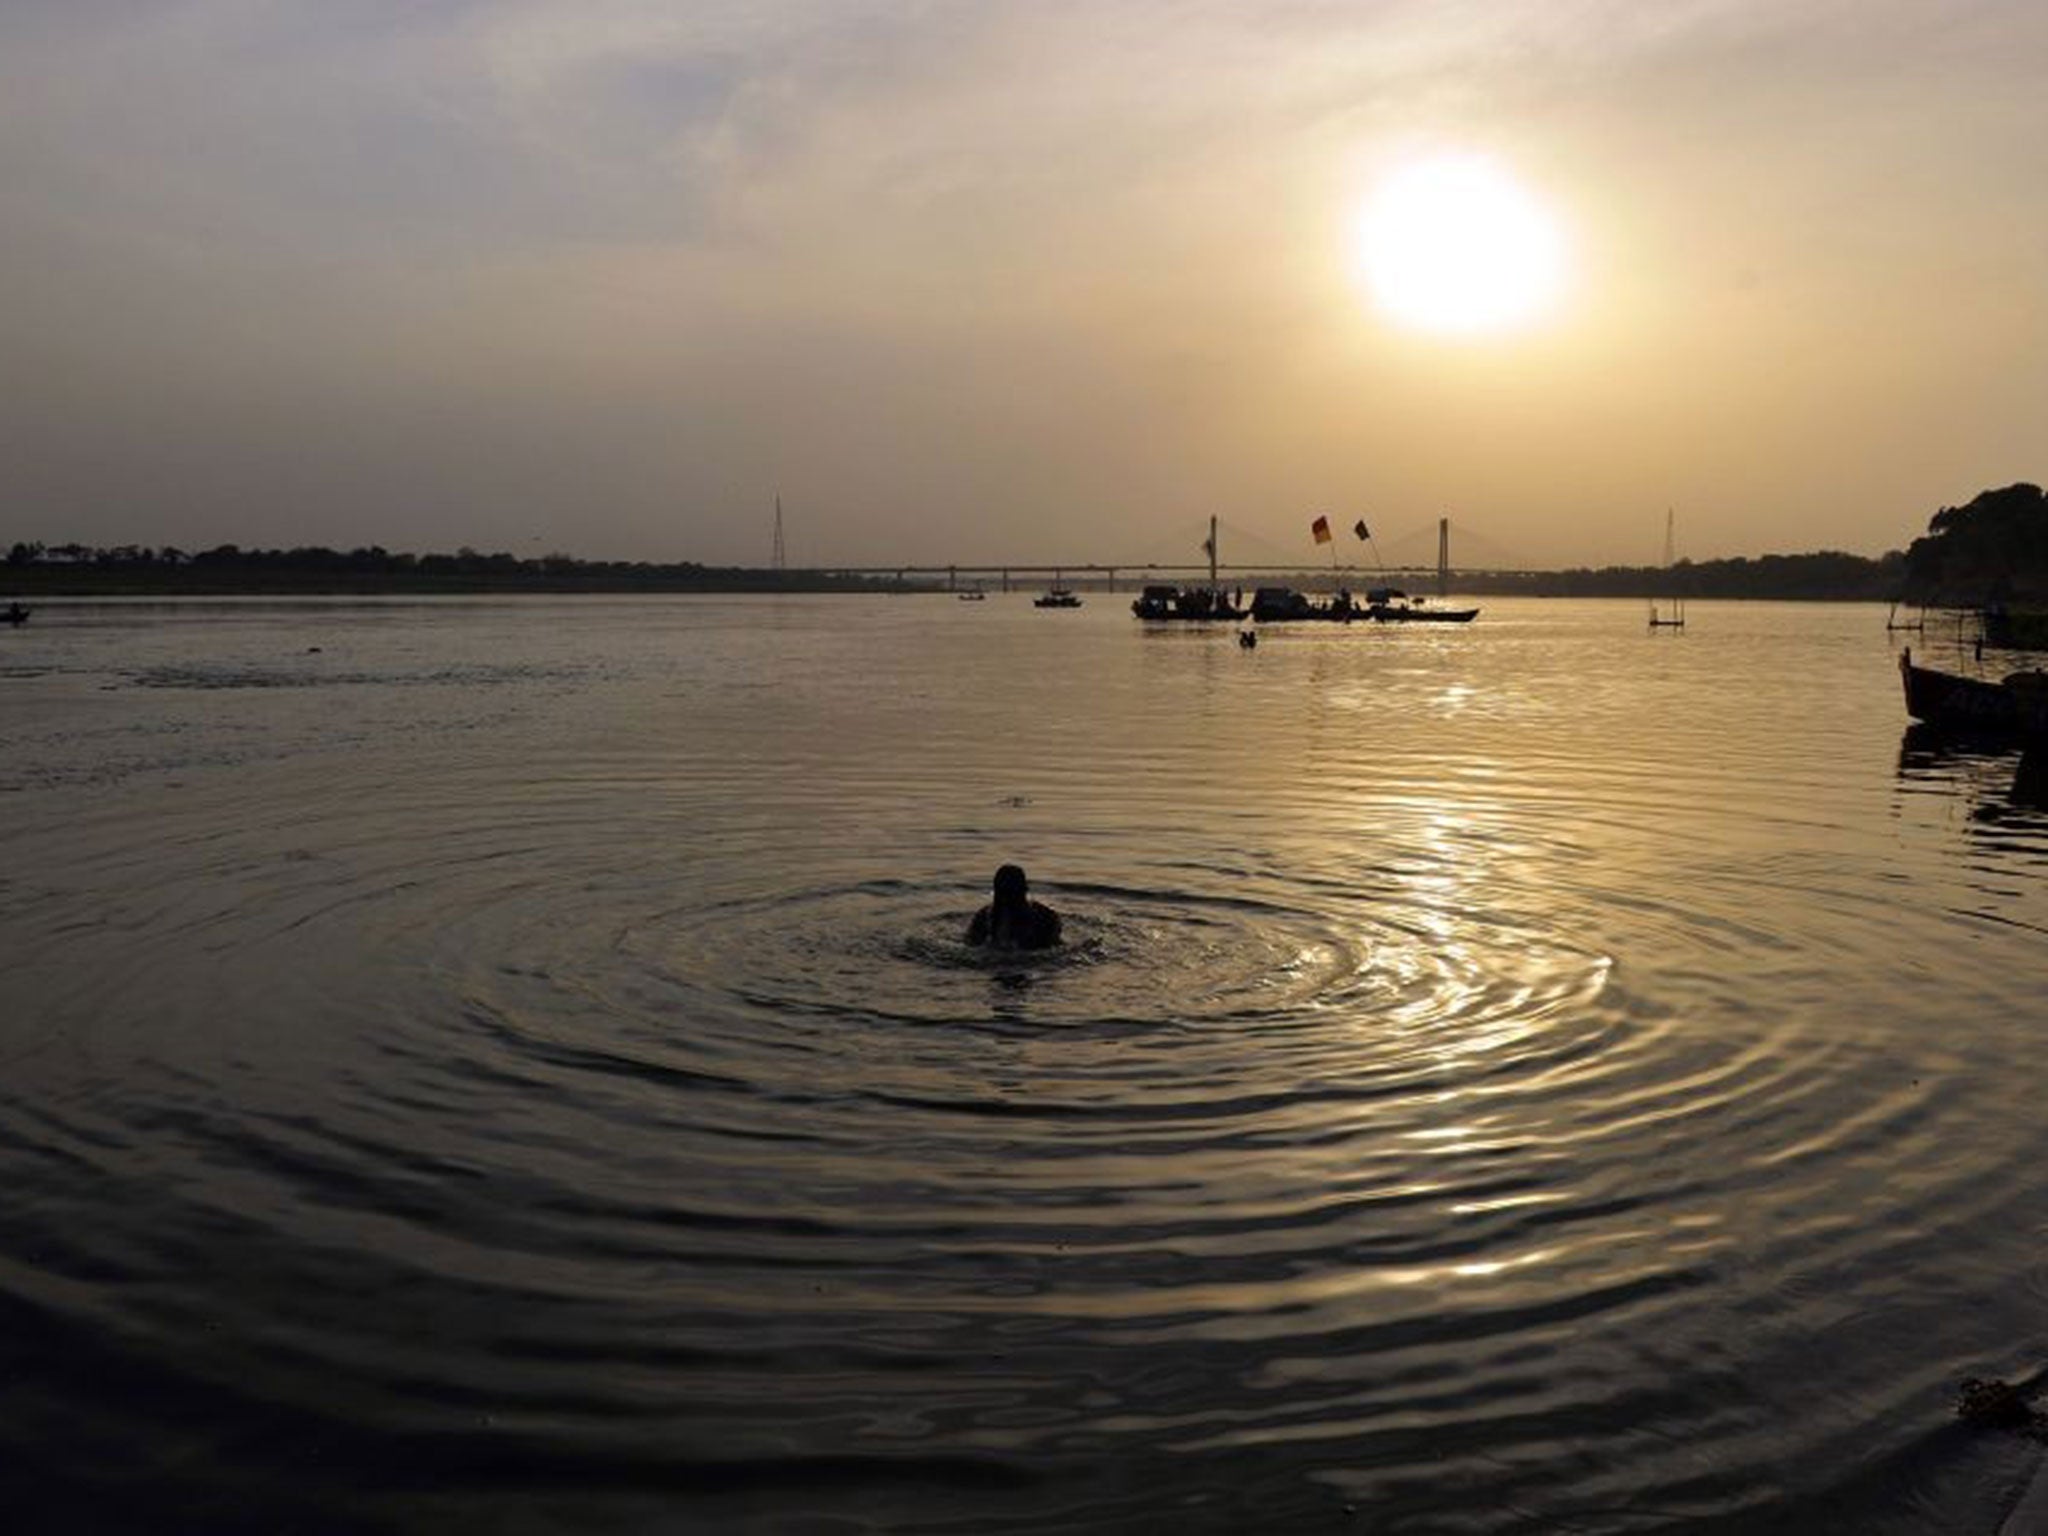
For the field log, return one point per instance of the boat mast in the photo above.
(1212, 552)
(1677, 599)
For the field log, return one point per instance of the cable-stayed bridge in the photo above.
(1401, 560)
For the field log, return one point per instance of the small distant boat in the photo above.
(2016, 706)
(973, 595)
(1390, 605)
(1672, 614)
(1058, 595)
(15, 613)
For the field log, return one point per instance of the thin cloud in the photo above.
(949, 272)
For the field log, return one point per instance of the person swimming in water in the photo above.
(1013, 920)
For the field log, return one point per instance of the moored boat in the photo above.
(1284, 605)
(1162, 603)
(1390, 605)
(2015, 706)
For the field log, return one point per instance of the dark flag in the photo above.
(1321, 529)
(1361, 530)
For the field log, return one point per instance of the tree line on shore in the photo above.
(229, 567)
(1828, 575)
(1991, 550)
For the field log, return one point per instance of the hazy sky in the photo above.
(1005, 279)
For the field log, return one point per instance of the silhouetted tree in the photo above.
(1994, 549)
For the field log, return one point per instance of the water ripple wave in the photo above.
(598, 1114)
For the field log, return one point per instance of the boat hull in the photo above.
(1424, 615)
(2015, 707)
(1318, 615)
(1284, 605)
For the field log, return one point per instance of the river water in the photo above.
(510, 1065)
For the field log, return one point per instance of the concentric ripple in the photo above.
(586, 1111)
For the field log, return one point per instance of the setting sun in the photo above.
(1456, 245)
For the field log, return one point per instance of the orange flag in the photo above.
(1321, 529)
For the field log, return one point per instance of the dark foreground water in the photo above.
(513, 1069)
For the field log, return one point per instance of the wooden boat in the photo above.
(1057, 597)
(1284, 605)
(2015, 706)
(1160, 603)
(1200, 605)
(1390, 605)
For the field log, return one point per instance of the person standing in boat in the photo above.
(1012, 920)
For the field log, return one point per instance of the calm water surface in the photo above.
(513, 1068)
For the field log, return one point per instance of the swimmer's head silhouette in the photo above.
(1012, 920)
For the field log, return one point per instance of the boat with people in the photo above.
(2016, 706)
(1284, 605)
(15, 613)
(1159, 603)
(1390, 605)
(1383, 605)
(1057, 597)
(1164, 603)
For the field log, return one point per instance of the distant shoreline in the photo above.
(33, 571)
(1992, 551)
(32, 584)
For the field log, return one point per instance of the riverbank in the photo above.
(28, 583)
(78, 570)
